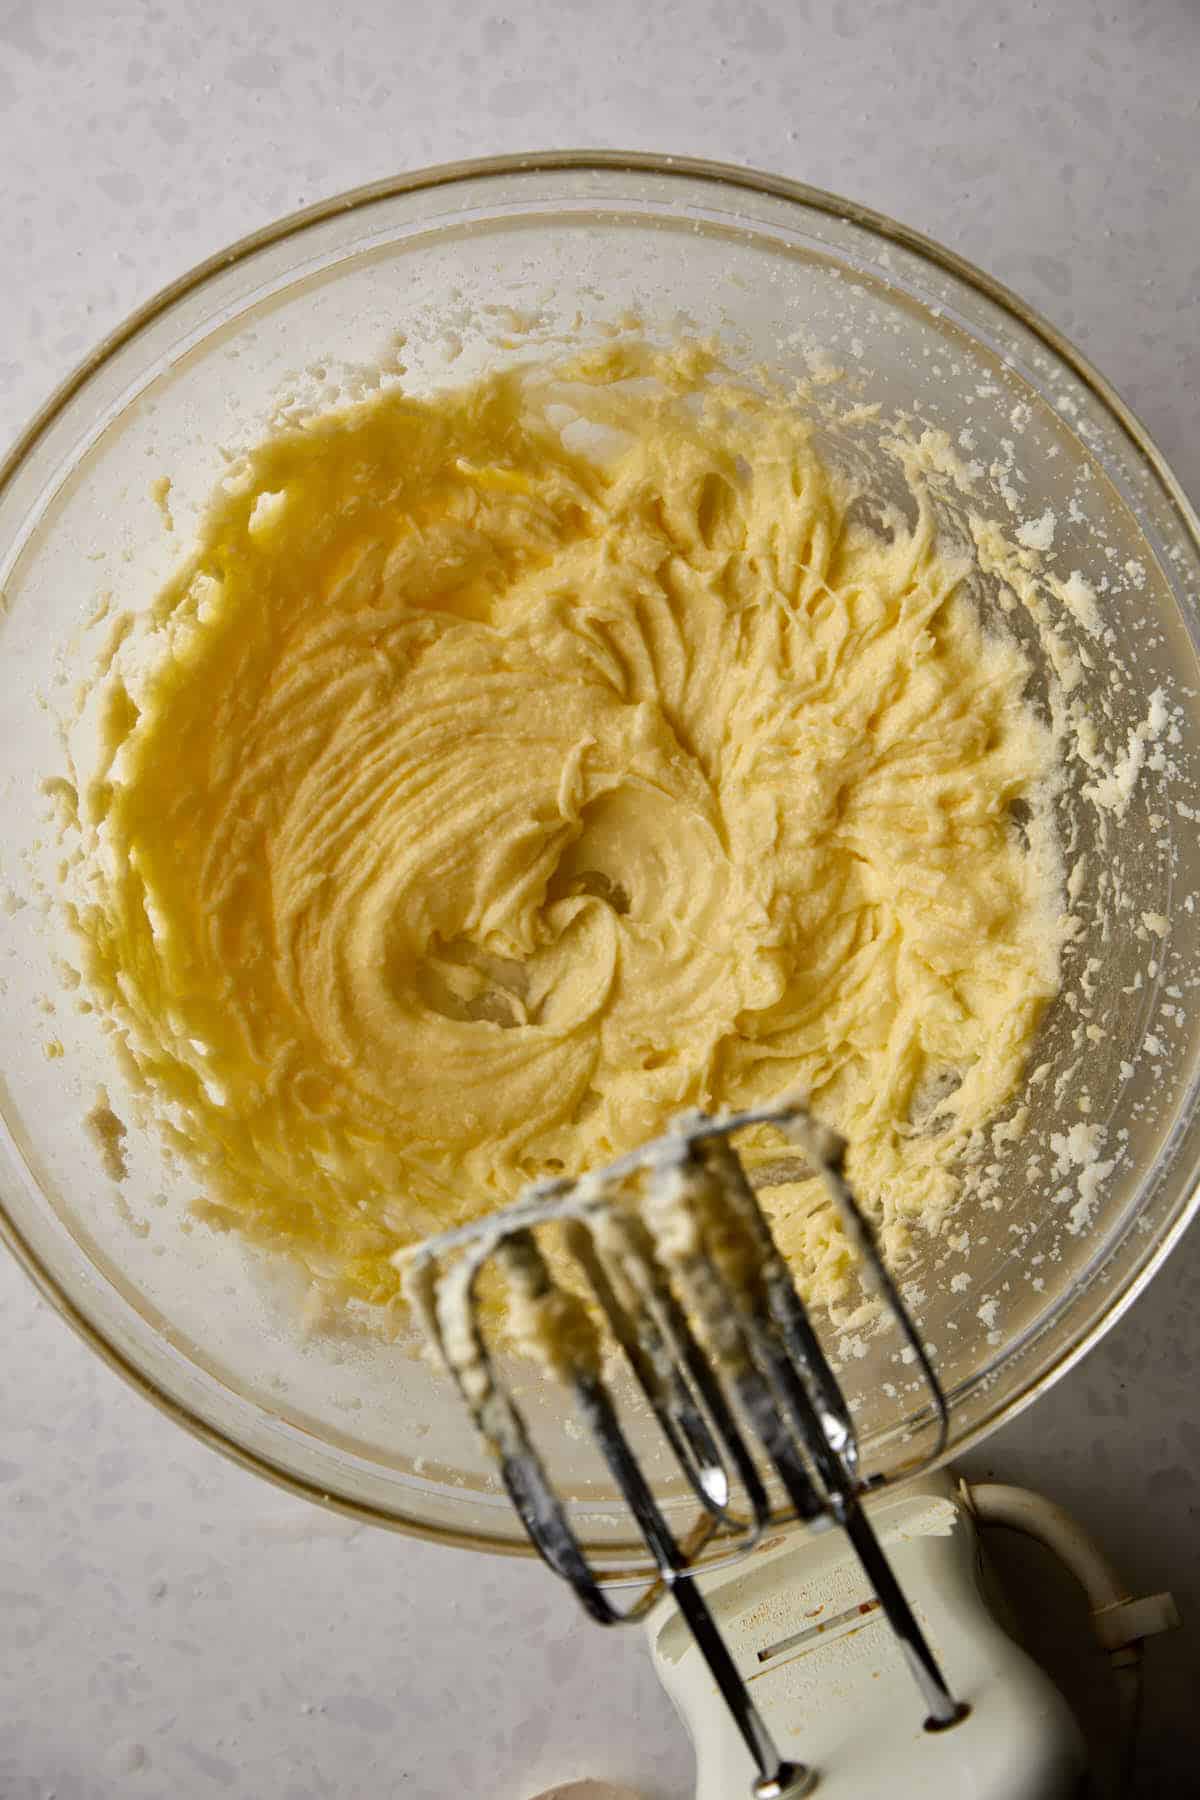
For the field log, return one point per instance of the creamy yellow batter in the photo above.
(519, 766)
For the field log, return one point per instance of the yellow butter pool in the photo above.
(518, 766)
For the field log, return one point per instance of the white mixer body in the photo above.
(830, 1681)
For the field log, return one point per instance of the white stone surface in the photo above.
(169, 1625)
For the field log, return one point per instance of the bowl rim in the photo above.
(736, 177)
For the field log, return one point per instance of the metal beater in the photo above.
(669, 1247)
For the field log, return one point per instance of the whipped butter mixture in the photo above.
(513, 768)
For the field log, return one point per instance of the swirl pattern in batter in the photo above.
(517, 766)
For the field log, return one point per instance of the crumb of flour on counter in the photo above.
(108, 1133)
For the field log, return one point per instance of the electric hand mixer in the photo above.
(670, 1247)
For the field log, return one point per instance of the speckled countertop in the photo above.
(168, 1624)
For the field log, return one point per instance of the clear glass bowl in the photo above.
(458, 261)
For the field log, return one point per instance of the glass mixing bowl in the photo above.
(444, 273)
